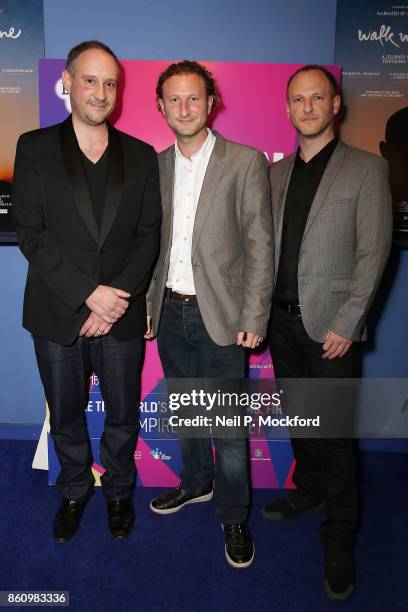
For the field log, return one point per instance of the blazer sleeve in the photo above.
(137, 271)
(373, 243)
(37, 243)
(257, 237)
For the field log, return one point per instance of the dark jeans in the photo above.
(65, 372)
(325, 468)
(187, 351)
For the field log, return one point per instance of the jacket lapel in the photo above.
(207, 195)
(114, 183)
(76, 176)
(286, 173)
(167, 174)
(328, 177)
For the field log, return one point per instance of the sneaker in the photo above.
(239, 547)
(288, 507)
(176, 499)
(339, 579)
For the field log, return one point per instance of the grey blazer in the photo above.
(232, 248)
(346, 241)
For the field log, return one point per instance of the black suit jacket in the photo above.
(68, 256)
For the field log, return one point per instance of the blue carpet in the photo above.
(176, 563)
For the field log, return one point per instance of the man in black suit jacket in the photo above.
(87, 214)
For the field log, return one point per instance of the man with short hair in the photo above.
(87, 215)
(210, 294)
(332, 220)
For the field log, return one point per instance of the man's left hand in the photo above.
(95, 326)
(248, 340)
(335, 345)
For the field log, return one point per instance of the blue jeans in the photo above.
(187, 351)
(65, 372)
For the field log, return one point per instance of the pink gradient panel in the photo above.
(253, 104)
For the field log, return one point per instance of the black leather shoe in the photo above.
(121, 517)
(293, 505)
(340, 578)
(239, 547)
(176, 499)
(68, 519)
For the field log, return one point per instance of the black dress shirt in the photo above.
(96, 175)
(303, 184)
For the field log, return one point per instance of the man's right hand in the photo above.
(108, 303)
(149, 335)
(95, 326)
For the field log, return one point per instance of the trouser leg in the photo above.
(187, 351)
(117, 364)
(64, 372)
(325, 467)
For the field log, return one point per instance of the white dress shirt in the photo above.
(188, 181)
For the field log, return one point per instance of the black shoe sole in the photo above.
(278, 516)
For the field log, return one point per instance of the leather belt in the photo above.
(292, 309)
(183, 297)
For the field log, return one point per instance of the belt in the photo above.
(183, 297)
(292, 309)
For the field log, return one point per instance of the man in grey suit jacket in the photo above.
(332, 218)
(211, 290)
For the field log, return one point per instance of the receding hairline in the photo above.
(331, 80)
(88, 45)
(72, 65)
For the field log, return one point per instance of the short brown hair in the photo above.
(84, 46)
(189, 67)
(335, 87)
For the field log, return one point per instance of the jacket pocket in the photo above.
(339, 202)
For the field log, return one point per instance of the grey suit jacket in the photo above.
(346, 241)
(232, 247)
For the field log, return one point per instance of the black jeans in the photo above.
(325, 468)
(187, 351)
(65, 372)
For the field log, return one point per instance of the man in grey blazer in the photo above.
(333, 221)
(210, 294)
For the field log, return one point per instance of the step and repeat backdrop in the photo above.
(371, 46)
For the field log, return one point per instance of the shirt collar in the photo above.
(322, 156)
(207, 144)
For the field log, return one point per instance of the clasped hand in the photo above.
(107, 305)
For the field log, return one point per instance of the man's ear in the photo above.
(336, 104)
(210, 103)
(66, 80)
(160, 106)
